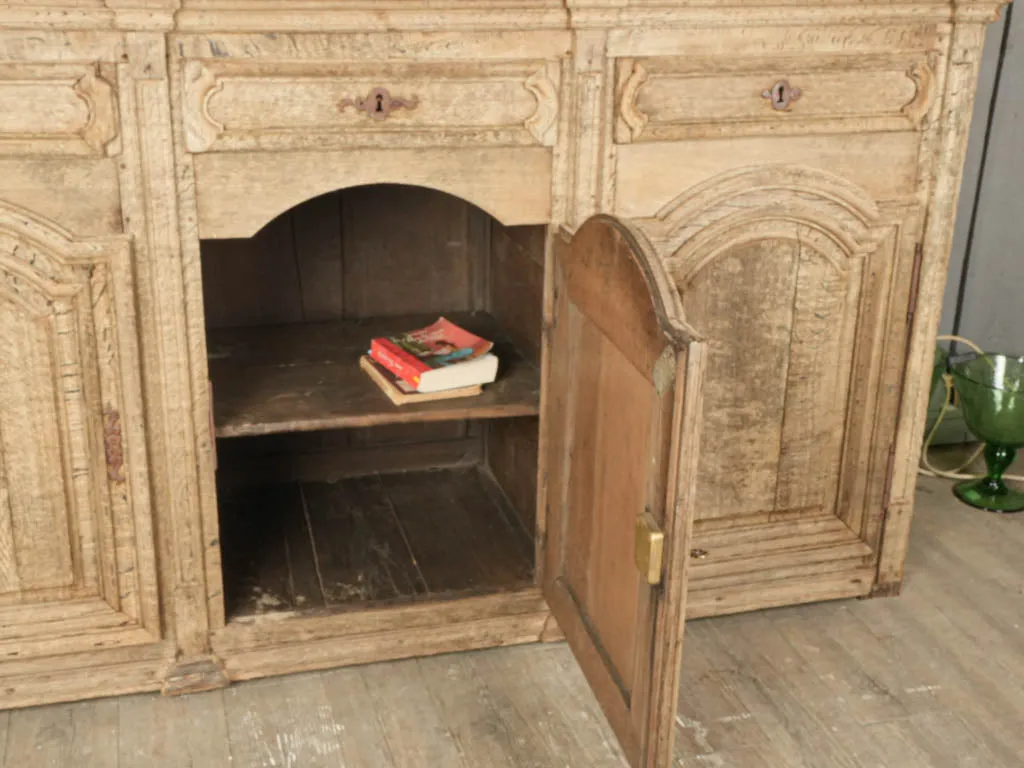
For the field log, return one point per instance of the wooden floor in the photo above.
(933, 678)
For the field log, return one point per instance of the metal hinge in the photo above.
(213, 428)
(112, 446)
(890, 469)
(915, 283)
(650, 548)
(555, 296)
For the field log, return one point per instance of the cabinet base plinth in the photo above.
(195, 676)
(890, 589)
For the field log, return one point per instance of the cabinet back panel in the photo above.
(511, 449)
(516, 284)
(364, 252)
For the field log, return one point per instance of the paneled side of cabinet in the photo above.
(77, 557)
(79, 587)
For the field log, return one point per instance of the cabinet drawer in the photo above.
(233, 105)
(672, 98)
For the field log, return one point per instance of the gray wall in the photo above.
(984, 298)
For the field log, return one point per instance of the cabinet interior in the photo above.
(331, 498)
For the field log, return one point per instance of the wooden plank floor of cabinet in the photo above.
(929, 680)
(372, 539)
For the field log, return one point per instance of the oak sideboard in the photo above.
(708, 237)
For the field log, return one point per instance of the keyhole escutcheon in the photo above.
(378, 103)
(782, 94)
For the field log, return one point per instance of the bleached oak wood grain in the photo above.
(795, 255)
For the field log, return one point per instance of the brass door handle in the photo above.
(650, 548)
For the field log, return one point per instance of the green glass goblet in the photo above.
(991, 389)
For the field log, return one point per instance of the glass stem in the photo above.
(998, 459)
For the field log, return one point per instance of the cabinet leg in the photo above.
(195, 676)
(551, 633)
(890, 589)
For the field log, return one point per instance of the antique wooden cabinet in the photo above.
(710, 240)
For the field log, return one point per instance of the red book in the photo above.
(396, 360)
(439, 357)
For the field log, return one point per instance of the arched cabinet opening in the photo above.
(330, 496)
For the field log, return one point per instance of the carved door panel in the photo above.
(792, 276)
(77, 569)
(622, 418)
(780, 316)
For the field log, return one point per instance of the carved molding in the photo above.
(542, 124)
(827, 212)
(59, 108)
(200, 85)
(923, 75)
(102, 126)
(477, 104)
(657, 15)
(630, 121)
(678, 98)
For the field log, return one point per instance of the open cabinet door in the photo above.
(621, 415)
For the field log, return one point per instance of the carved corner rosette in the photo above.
(630, 121)
(101, 126)
(200, 85)
(542, 124)
(923, 75)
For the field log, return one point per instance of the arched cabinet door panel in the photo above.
(621, 414)
(795, 277)
(77, 569)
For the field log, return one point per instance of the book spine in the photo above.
(397, 360)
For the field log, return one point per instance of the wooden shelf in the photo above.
(376, 539)
(305, 376)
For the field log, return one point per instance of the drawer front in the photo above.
(57, 108)
(675, 98)
(240, 105)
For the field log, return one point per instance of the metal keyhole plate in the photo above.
(782, 95)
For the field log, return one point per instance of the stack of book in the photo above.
(439, 362)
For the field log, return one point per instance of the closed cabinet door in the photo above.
(77, 571)
(800, 283)
(622, 427)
